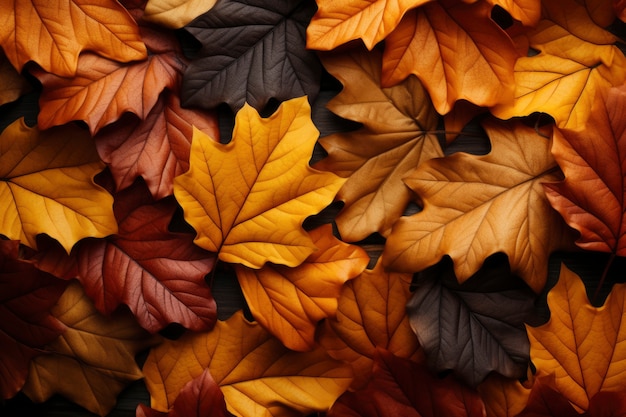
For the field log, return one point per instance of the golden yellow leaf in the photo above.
(427, 43)
(371, 314)
(584, 347)
(290, 301)
(247, 199)
(336, 23)
(53, 32)
(476, 206)
(46, 186)
(503, 397)
(176, 13)
(398, 133)
(257, 374)
(93, 360)
(577, 60)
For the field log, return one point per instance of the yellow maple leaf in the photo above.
(582, 346)
(46, 186)
(290, 301)
(247, 199)
(257, 374)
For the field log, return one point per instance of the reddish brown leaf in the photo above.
(156, 148)
(200, 397)
(102, 89)
(12, 85)
(158, 274)
(592, 198)
(400, 387)
(26, 325)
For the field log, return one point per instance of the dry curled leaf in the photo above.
(12, 85)
(476, 206)
(53, 169)
(257, 374)
(399, 132)
(289, 302)
(93, 360)
(581, 345)
(53, 33)
(247, 199)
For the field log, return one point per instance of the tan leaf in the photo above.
(176, 13)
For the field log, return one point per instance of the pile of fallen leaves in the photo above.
(120, 204)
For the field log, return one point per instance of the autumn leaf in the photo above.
(176, 13)
(371, 314)
(252, 51)
(400, 387)
(399, 132)
(12, 85)
(290, 301)
(53, 34)
(592, 196)
(576, 60)
(257, 374)
(158, 274)
(427, 41)
(102, 90)
(475, 328)
(475, 206)
(526, 11)
(199, 397)
(157, 148)
(247, 199)
(26, 297)
(581, 345)
(544, 401)
(93, 360)
(52, 169)
(336, 23)
(503, 397)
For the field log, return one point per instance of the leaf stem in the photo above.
(603, 277)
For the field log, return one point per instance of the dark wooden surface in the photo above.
(225, 287)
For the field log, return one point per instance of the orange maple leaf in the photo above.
(247, 199)
(52, 169)
(290, 301)
(592, 199)
(427, 43)
(53, 33)
(257, 374)
(584, 347)
(475, 206)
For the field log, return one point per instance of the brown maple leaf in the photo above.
(475, 206)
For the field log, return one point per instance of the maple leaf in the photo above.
(290, 301)
(157, 148)
(199, 397)
(395, 138)
(582, 346)
(176, 13)
(257, 374)
(12, 85)
(54, 33)
(157, 273)
(52, 169)
(576, 60)
(474, 328)
(93, 360)
(400, 387)
(268, 61)
(544, 401)
(247, 199)
(475, 206)
(336, 23)
(503, 397)
(26, 297)
(592, 196)
(370, 314)
(427, 41)
(102, 89)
